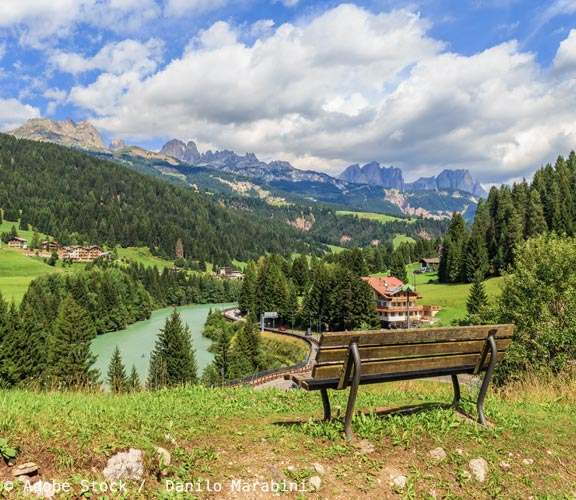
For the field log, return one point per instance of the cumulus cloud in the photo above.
(565, 59)
(115, 58)
(13, 113)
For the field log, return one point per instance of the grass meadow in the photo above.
(221, 436)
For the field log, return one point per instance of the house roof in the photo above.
(17, 238)
(434, 260)
(386, 286)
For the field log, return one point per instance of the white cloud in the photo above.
(565, 59)
(182, 7)
(36, 21)
(13, 113)
(115, 58)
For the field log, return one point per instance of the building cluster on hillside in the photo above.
(396, 303)
(230, 273)
(81, 253)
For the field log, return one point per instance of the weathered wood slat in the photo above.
(419, 335)
(334, 355)
(418, 364)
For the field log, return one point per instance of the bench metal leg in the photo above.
(456, 385)
(353, 391)
(487, 377)
(326, 404)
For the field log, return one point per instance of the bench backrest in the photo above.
(412, 352)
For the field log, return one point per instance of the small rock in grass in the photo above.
(527, 461)
(438, 454)
(27, 469)
(41, 489)
(164, 459)
(479, 468)
(319, 468)
(125, 465)
(400, 482)
(504, 465)
(315, 482)
(365, 447)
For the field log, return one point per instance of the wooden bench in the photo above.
(355, 358)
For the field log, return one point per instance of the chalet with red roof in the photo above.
(395, 304)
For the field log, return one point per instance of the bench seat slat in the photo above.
(416, 364)
(329, 355)
(418, 335)
(311, 384)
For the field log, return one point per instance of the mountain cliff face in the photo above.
(391, 178)
(375, 175)
(184, 152)
(450, 179)
(80, 135)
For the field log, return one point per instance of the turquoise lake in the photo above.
(137, 342)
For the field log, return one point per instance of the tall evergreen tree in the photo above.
(477, 297)
(133, 384)
(452, 262)
(398, 267)
(117, 378)
(69, 357)
(173, 361)
(535, 220)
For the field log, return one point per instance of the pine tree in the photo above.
(477, 298)
(69, 357)
(133, 383)
(245, 352)
(452, 263)
(117, 379)
(398, 267)
(535, 220)
(173, 361)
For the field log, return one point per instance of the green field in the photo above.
(452, 297)
(402, 238)
(6, 227)
(373, 216)
(142, 255)
(17, 271)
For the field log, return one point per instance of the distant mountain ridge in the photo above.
(391, 178)
(368, 188)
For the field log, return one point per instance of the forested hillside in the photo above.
(78, 198)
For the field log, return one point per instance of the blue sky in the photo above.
(487, 85)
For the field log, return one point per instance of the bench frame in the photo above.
(351, 376)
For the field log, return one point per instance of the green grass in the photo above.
(222, 435)
(452, 297)
(6, 227)
(17, 271)
(335, 249)
(374, 216)
(142, 255)
(402, 238)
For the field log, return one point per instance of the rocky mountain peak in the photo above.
(374, 174)
(117, 144)
(82, 135)
(184, 152)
